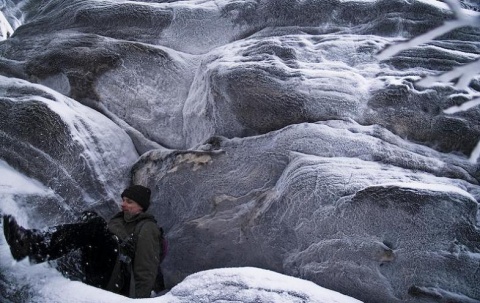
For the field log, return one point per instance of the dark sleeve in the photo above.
(146, 260)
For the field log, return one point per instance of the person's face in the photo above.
(131, 207)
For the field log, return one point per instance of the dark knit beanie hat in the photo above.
(139, 194)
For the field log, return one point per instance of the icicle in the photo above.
(6, 29)
(475, 156)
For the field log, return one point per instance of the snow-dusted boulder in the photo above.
(143, 85)
(352, 207)
(267, 82)
(78, 156)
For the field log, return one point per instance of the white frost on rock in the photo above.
(431, 187)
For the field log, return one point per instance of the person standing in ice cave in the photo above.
(122, 256)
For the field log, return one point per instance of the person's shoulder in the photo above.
(148, 222)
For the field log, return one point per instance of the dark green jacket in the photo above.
(147, 252)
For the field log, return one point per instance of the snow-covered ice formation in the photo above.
(282, 139)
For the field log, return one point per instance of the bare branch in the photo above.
(464, 107)
(465, 74)
(422, 39)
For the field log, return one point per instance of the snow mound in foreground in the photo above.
(245, 285)
(249, 284)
